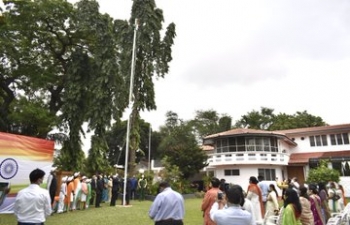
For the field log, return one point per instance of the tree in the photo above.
(153, 55)
(180, 147)
(256, 120)
(323, 174)
(65, 59)
(208, 122)
(267, 120)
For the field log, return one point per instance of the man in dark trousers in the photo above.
(99, 189)
(52, 186)
(115, 189)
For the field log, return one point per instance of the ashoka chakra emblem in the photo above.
(8, 168)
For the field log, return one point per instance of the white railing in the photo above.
(227, 158)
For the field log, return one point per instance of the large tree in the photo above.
(66, 60)
(180, 146)
(208, 122)
(153, 54)
(267, 120)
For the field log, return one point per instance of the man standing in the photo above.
(52, 185)
(142, 184)
(264, 187)
(33, 204)
(168, 208)
(99, 189)
(134, 182)
(209, 199)
(228, 211)
(115, 189)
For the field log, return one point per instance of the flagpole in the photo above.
(149, 148)
(131, 104)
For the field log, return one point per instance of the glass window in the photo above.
(241, 144)
(346, 138)
(259, 144)
(232, 172)
(339, 139)
(250, 144)
(224, 145)
(312, 141)
(267, 144)
(318, 140)
(342, 167)
(268, 174)
(324, 140)
(333, 141)
(233, 146)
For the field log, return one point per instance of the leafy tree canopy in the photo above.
(180, 146)
(323, 174)
(266, 119)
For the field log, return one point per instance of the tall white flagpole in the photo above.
(131, 104)
(149, 148)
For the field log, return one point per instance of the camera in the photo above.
(220, 195)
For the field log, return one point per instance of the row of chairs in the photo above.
(341, 218)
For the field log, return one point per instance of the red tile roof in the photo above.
(328, 128)
(303, 158)
(207, 148)
(242, 131)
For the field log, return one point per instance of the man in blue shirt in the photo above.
(264, 187)
(168, 208)
(228, 211)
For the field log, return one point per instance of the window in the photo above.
(339, 139)
(232, 143)
(342, 167)
(232, 172)
(318, 140)
(268, 174)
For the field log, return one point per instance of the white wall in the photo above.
(245, 173)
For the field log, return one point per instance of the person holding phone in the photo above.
(228, 210)
(209, 199)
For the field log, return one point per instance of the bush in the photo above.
(323, 174)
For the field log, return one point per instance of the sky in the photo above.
(237, 56)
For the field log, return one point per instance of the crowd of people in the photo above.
(222, 204)
(80, 192)
(301, 204)
(34, 204)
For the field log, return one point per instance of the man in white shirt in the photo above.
(33, 204)
(228, 211)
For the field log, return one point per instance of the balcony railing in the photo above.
(229, 158)
(247, 147)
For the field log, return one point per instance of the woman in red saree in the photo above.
(255, 196)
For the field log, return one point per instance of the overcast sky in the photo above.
(236, 56)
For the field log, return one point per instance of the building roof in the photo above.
(303, 158)
(207, 148)
(321, 129)
(244, 131)
(241, 131)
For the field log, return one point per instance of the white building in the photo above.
(237, 154)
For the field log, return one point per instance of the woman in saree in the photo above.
(255, 196)
(292, 208)
(306, 217)
(315, 202)
(322, 193)
(272, 206)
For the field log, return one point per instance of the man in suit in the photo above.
(99, 190)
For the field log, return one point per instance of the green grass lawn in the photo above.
(106, 215)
